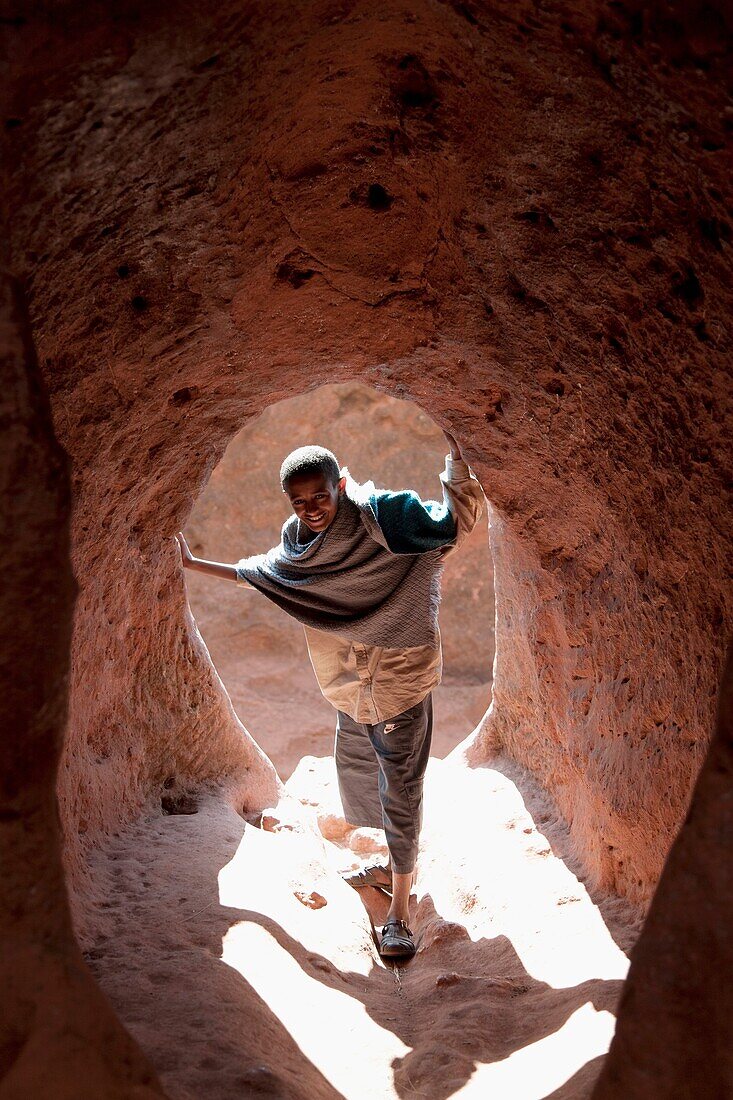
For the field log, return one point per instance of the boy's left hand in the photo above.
(455, 450)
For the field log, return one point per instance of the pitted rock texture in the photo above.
(549, 280)
(675, 1033)
(253, 645)
(516, 217)
(58, 1033)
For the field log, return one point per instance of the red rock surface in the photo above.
(58, 1034)
(531, 248)
(515, 217)
(675, 1034)
(261, 654)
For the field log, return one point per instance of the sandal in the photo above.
(375, 875)
(397, 941)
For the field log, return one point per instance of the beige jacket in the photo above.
(373, 683)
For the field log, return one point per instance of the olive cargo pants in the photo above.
(380, 771)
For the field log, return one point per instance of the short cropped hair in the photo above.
(310, 460)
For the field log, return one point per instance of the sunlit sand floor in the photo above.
(244, 966)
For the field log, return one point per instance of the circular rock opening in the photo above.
(258, 650)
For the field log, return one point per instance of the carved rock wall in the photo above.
(516, 218)
(58, 1034)
(485, 213)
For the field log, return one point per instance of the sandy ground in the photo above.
(244, 966)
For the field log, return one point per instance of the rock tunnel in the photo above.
(515, 217)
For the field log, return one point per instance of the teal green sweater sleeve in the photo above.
(411, 525)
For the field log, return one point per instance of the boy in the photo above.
(360, 568)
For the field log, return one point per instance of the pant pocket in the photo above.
(414, 794)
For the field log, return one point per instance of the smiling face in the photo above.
(314, 499)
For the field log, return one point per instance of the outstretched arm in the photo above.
(414, 526)
(462, 494)
(213, 568)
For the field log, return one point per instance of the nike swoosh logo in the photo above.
(390, 726)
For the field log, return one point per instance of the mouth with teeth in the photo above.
(316, 519)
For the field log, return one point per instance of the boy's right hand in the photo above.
(211, 568)
(186, 555)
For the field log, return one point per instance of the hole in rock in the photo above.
(183, 396)
(378, 198)
(293, 274)
(414, 87)
(258, 650)
(374, 196)
(181, 802)
(208, 63)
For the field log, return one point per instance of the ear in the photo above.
(342, 484)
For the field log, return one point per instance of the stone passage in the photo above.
(516, 217)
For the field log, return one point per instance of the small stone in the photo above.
(312, 900)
